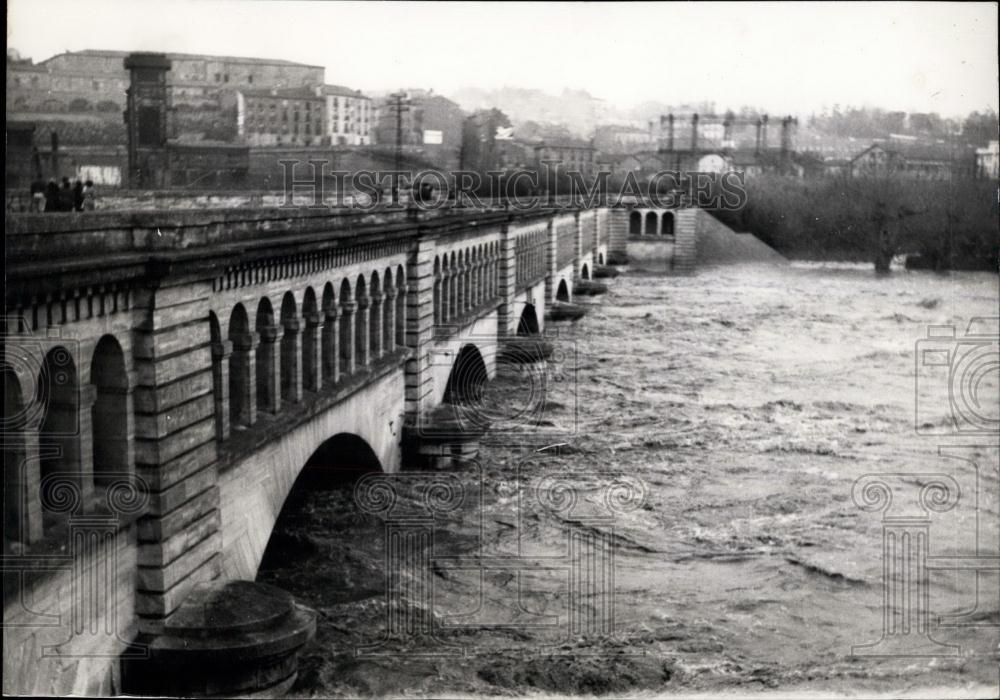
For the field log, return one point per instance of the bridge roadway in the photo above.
(168, 374)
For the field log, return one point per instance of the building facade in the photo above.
(431, 127)
(580, 156)
(293, 116)
(988, 161)
(96, 79)
(349, 116)
(914, 162)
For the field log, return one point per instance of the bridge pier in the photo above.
(221, 352)
(419, 329)
(361, 333)
(376, 331)
(291, 360)
(389, 319)
(331, 345)
(507, 283)
(175, 447)
(312, 351)
(244, 366)
(268, 369)
(348, 313)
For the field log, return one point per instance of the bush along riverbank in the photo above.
(937, 224)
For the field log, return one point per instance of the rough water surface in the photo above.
(746, 401)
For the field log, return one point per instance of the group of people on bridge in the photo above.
(51, 197)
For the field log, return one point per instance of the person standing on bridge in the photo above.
(65, 200)
(52, 196)
(89, 196)
(78, 196)
(37, 202)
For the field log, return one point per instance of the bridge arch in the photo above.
(635, 223)
(562, 292)
(267, 335)
(375, 317)
(110, 412)
(667, 224)
(242, 385)
(600, 258)
(330, 334)
(346, 328)
(311, 369)
(585, 272)
(361, 322)
(290, 354)
(528, 323)
(335, 465)
(652, 221)
(59, 389)
(467, 378)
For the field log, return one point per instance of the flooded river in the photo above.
(736, 410)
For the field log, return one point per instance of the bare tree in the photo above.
(877, 187)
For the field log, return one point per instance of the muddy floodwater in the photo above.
(736, 409)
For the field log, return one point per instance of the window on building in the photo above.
(225, 78)
(218, 77)
(250, 79)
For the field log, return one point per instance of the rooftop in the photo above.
(341, 90)
(105, 53)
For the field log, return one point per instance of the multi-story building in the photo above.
(988, 161)
(349, 116)
(431, 127)
(914, 161)
(97, 79)
(292, 116)
(571, 155)
(623, 139)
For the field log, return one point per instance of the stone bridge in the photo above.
(168, 375)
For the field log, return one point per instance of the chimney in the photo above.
(763, 135)
(756, 145)
(694, 131)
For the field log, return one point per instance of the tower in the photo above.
(146, 119)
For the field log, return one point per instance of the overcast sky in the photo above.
(792, 58)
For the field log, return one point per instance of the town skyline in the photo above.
(951, 72)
